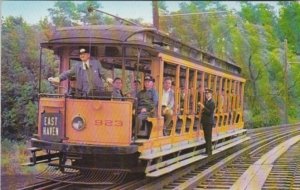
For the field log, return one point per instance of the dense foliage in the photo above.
(252, 37)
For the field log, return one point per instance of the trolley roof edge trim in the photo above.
(125, 33)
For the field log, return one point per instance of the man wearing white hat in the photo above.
(88, 73)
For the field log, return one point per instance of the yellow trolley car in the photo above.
(106, 141)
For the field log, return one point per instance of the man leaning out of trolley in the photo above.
(88, 73)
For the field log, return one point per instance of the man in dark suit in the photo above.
(147, 101)
(88, 73)
(207, 119)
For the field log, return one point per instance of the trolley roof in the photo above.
(123, 34)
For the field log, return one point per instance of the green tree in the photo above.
(68, 13)
(64, 13)
(253, 38)
(93, 17)
(20, 76)
(289, 23)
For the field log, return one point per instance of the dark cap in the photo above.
(149, 77)
(136, 81)
(83, 50)
(208, 90)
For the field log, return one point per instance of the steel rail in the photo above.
(188, 179)
(184, 178)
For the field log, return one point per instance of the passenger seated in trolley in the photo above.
(147, 101)
(135, 89)
(88, 73)
(117, 89)
(167, 105)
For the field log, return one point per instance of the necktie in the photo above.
(86, 65)
(90, 78)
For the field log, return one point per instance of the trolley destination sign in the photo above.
(51, 125)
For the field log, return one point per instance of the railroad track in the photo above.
(46, 184)
(129, 183)
(220, 171)
(285, 173)
(224, 170)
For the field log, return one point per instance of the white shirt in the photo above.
(165, 97)
(87, 63)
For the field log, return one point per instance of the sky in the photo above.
(33, 11)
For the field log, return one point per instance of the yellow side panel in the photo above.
(107, 122)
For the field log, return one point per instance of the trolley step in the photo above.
(42, 158)
(38, 162)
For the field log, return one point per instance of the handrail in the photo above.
(86, 97)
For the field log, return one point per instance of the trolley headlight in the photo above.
(78, 123)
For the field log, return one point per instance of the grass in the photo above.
(13, 154)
